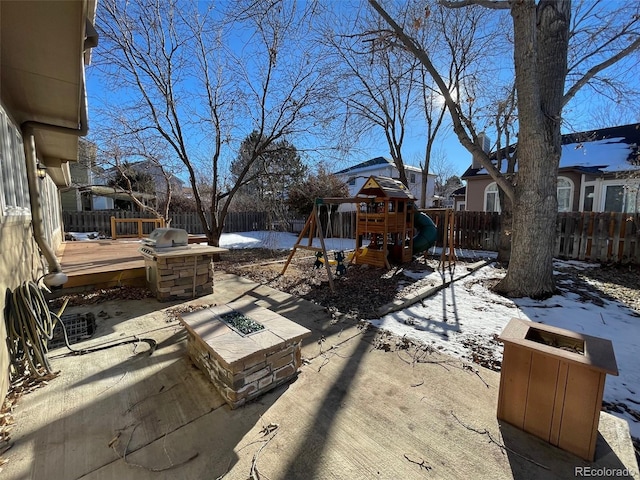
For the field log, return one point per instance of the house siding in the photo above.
(20, 263)
(360, 175)
(576, 178)
(477, 185)
(475, 193)
(21, 256)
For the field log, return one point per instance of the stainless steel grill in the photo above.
(176, 269)
(163, 240)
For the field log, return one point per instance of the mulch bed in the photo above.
(358, 293)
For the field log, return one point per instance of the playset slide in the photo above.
(427, 232)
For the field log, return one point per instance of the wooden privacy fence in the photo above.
(100, 221)
(598, 237)
(97, 220)
(472, 230)
(234, 222)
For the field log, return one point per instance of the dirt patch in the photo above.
(596, 284)
(358, 293)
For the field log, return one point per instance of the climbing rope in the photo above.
(30, 326)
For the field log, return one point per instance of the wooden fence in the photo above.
(100, 221)
(598, 237)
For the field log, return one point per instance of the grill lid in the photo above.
(167, 238)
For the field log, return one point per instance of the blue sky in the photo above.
(585, 112)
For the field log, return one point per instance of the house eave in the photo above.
(42, 69)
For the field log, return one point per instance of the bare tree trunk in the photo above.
(506, 228)
(540, 53)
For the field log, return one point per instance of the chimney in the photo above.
(484, 142)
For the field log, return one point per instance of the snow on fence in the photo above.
(598, 237)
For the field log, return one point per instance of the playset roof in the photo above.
(385, 187)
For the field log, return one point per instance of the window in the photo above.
(565, 194)
(620, 198)
(491, 198)
(589, 194)
(13, 170)
(412, 178)
(352, 181)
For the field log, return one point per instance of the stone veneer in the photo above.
(244, 367)
(181, 273)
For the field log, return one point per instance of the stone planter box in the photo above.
(552, 382)
(243, 367)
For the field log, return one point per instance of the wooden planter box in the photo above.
(552, 382)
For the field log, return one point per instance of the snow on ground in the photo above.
(467, 314)
(278, 241)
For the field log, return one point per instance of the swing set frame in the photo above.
(313, 228)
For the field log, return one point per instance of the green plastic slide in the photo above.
(427, 232)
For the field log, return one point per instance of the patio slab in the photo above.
(354, 412)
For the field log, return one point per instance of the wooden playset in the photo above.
(384, 227)
(385, 220)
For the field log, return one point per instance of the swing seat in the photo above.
(331, 262)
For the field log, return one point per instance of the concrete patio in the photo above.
(354, 412)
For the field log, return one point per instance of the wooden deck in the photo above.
(102, 263)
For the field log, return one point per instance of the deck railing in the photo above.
(134, 227)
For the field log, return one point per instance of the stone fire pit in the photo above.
(243, 366)
(552, 382)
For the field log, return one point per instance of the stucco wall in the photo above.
(475, 193)
(476, 187)
(19, 263)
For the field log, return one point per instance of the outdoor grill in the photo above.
(174, 269)
(163, 239)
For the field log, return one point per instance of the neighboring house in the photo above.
(459, 199)
(599, 171)
(45, 46)
(356, 176)
(88, 189)
(155, 171)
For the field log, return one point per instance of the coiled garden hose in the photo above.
(30, 326)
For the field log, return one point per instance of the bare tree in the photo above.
(541, 32)
(201, 80)
(443, 169)
(378, 86)
(136, 154)
(461, 37)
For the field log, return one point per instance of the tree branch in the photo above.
(492, 4)
(593, 71)
(452, 106)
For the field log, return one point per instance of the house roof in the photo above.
(373, 163)
(607, 150)
(459, 192)
(385, 187)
